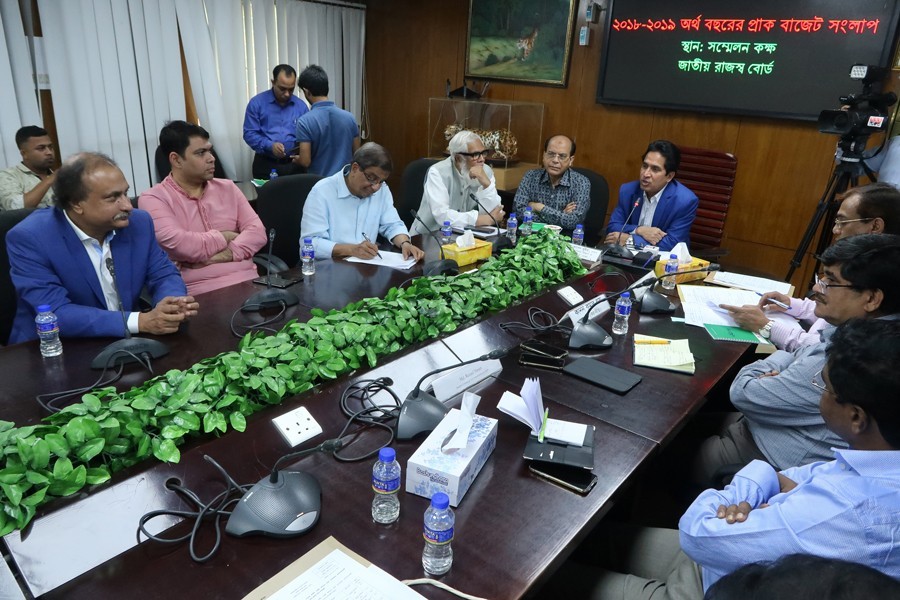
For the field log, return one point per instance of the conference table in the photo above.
(512, 529)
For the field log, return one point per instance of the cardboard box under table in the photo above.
(466, 256)
(429, 470)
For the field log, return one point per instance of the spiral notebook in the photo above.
(725, 333)
(662, 353)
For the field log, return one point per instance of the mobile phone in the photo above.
(576, 479)
(544, 362)
(543, 348)
(277, 281)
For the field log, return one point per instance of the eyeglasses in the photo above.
(373, 179)
(815, 381)
(839, 223)
(553, 155)
(486, 153)
(821, 281)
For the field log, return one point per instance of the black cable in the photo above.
(539, 321)
(257, 326)
(215, 509)
(371, 414)
(616, 273)
(48, 401)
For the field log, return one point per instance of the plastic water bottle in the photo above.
(512, 227)
(527, 218)
(438, 555)
(668, 283)
(308, 257)
(48, 331)
(446, 233)
(578, 235)
(386, 485)
(623, 311)
(273, 174)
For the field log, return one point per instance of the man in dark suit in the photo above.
(90, 253)
(663, 208)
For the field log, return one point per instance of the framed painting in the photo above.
(526, 41)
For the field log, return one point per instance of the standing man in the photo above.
(556, 194)
(662, 210)
(205, 225)
(327, 135)
(344, 213)
(453, 185)
(29, 183)
(270, 125)
(62, 257)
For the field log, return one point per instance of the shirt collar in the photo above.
(85, 237)
(274, 100)
(655, 197)
(564, 180)
(21, 166)
(343, 190)
(170, 182)
(871, 463)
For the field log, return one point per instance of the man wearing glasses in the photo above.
(873, 208)
(344, 213)
(456, 186)
(556, 194)
(780, 420)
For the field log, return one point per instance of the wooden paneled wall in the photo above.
(413, 47)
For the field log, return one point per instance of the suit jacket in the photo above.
(674, 214)
(49, 265)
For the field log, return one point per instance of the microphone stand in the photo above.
(502, 242)
(444, 266)
(129, 349)
(269, 297)
(617, 250)
(421, 412)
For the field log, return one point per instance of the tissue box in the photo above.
(429, 470)
(466, 256)
(696, 263)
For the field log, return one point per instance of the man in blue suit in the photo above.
(661, 209)
(89, 255)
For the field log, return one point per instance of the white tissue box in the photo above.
(429, 470)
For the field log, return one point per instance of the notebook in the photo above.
(724, 333)
(564, 454)
(672, 356)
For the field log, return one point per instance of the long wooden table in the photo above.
(512, 530)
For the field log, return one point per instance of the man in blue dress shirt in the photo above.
(344, 213)
(270, 125)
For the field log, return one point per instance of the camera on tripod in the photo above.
(865, 113)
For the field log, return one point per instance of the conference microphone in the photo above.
(501, 242)
(587, 334)
(444, 266)
(615, 249)
(130, 349)
(270, 297)
(421, 412)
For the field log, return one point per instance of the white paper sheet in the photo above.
(696, 301)
(748, 282)
(394, 260)
(465, 415)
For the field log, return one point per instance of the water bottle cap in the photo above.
(675, 256)
(446, 223)
(440, 501)
(387, 455)
(43, 308)
(579, 226)
(626, 295)
(307, 240)
(512, 215)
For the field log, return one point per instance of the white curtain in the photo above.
(18, 101)
(114, 77)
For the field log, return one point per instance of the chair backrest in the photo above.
(413, 183)
(596, 215)
(163, 167)
(8, 220)
(280, 205)
(710, 175)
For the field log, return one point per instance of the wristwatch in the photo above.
(766, 330)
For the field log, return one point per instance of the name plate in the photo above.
(578, 312)
(460, 379)
(587, 253)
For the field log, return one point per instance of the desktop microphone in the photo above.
(502, 242)
(615, 249)
(444, 266)
(130, 349)
(421, 412)
(270, 298)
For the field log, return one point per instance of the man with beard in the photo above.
(29, 183)
(778, 396)
(453, 185)
(61, 257)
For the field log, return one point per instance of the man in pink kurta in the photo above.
(205, 225)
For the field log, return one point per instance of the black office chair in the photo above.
(280, 206)
(596, 215)
(163, 167)
(8, 220)
(413, 183)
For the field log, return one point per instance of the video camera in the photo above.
(863, 115)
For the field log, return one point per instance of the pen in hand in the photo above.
(776, 302)
(366, 238)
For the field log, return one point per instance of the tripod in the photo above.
(844, 176)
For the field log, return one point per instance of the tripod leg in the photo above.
(809, 234)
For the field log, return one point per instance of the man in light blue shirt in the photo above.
(344, 213)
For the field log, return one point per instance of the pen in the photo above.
(776, 302)
(654, 342)
(543, 426)
(365, 237)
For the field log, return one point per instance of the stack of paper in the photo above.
(662, 353)
(393, 260)
(747, 282)
(529, 409)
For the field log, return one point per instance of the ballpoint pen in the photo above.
(365, 237)
(776, 302)
(652, 342)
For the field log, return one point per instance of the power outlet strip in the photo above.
(297, 426)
